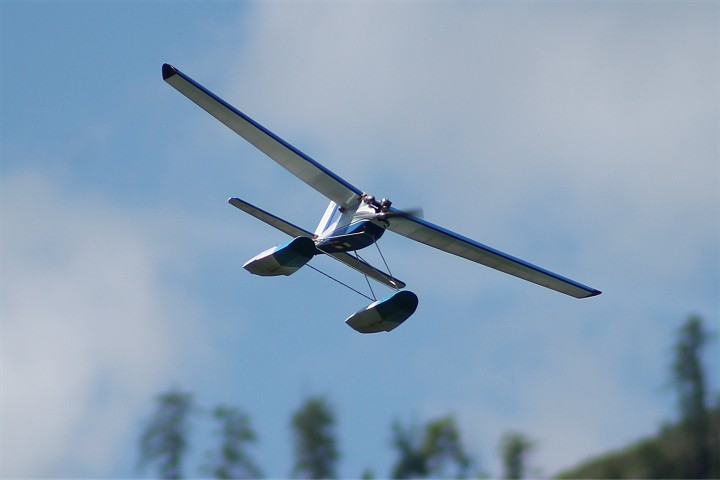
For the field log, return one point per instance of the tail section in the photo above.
(331, 215)
(261, 265)
(269, 218)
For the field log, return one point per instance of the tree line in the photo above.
(686, 448)
(435, 449)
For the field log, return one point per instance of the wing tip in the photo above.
(594, 293)
(168, 71)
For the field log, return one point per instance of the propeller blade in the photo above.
(409, 212)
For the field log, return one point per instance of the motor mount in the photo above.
(381, 206)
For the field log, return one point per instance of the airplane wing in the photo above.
(295, 231)
(296, 162)
(269, 218)
(451, 242)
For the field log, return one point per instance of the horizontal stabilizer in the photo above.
(269, 218)
(367, 269)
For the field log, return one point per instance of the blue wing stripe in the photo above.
(270, 219)
(451, 242)
(295, 161)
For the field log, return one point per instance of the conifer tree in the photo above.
(316, 449)
(434, 451)
(233, 459)
(164, 439)
(514, 448)
(690, 382)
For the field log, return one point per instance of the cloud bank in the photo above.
(90, 330)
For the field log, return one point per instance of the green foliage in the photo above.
(514, 448)
(164, 440)
(316, 450)
(689, 448)
(666, 455)
(367, 474)
(688, 372)
(235, 433)
(691, 385)
(429, 452)
(411, 458)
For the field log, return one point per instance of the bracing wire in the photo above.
(383, 259)
(341, 283)
(372, 292)
(367, 279)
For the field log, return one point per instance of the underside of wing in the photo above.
(451, 242)
(295, 231)
(269, 218)
(296, 162)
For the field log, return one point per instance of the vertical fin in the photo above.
(327, 218)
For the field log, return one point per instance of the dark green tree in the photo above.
(164, 439)
(316, 449)
(514, 449)
(433, 451)
(444, 448)
(411, 462)
(235, 433)
(690, 382)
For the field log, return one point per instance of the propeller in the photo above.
(409, 212)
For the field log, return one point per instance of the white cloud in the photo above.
(505, 114)
(585, 135)
(587, 138)
(89, 331)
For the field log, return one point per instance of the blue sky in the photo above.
(583, 137)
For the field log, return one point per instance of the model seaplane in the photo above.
(353, 220)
